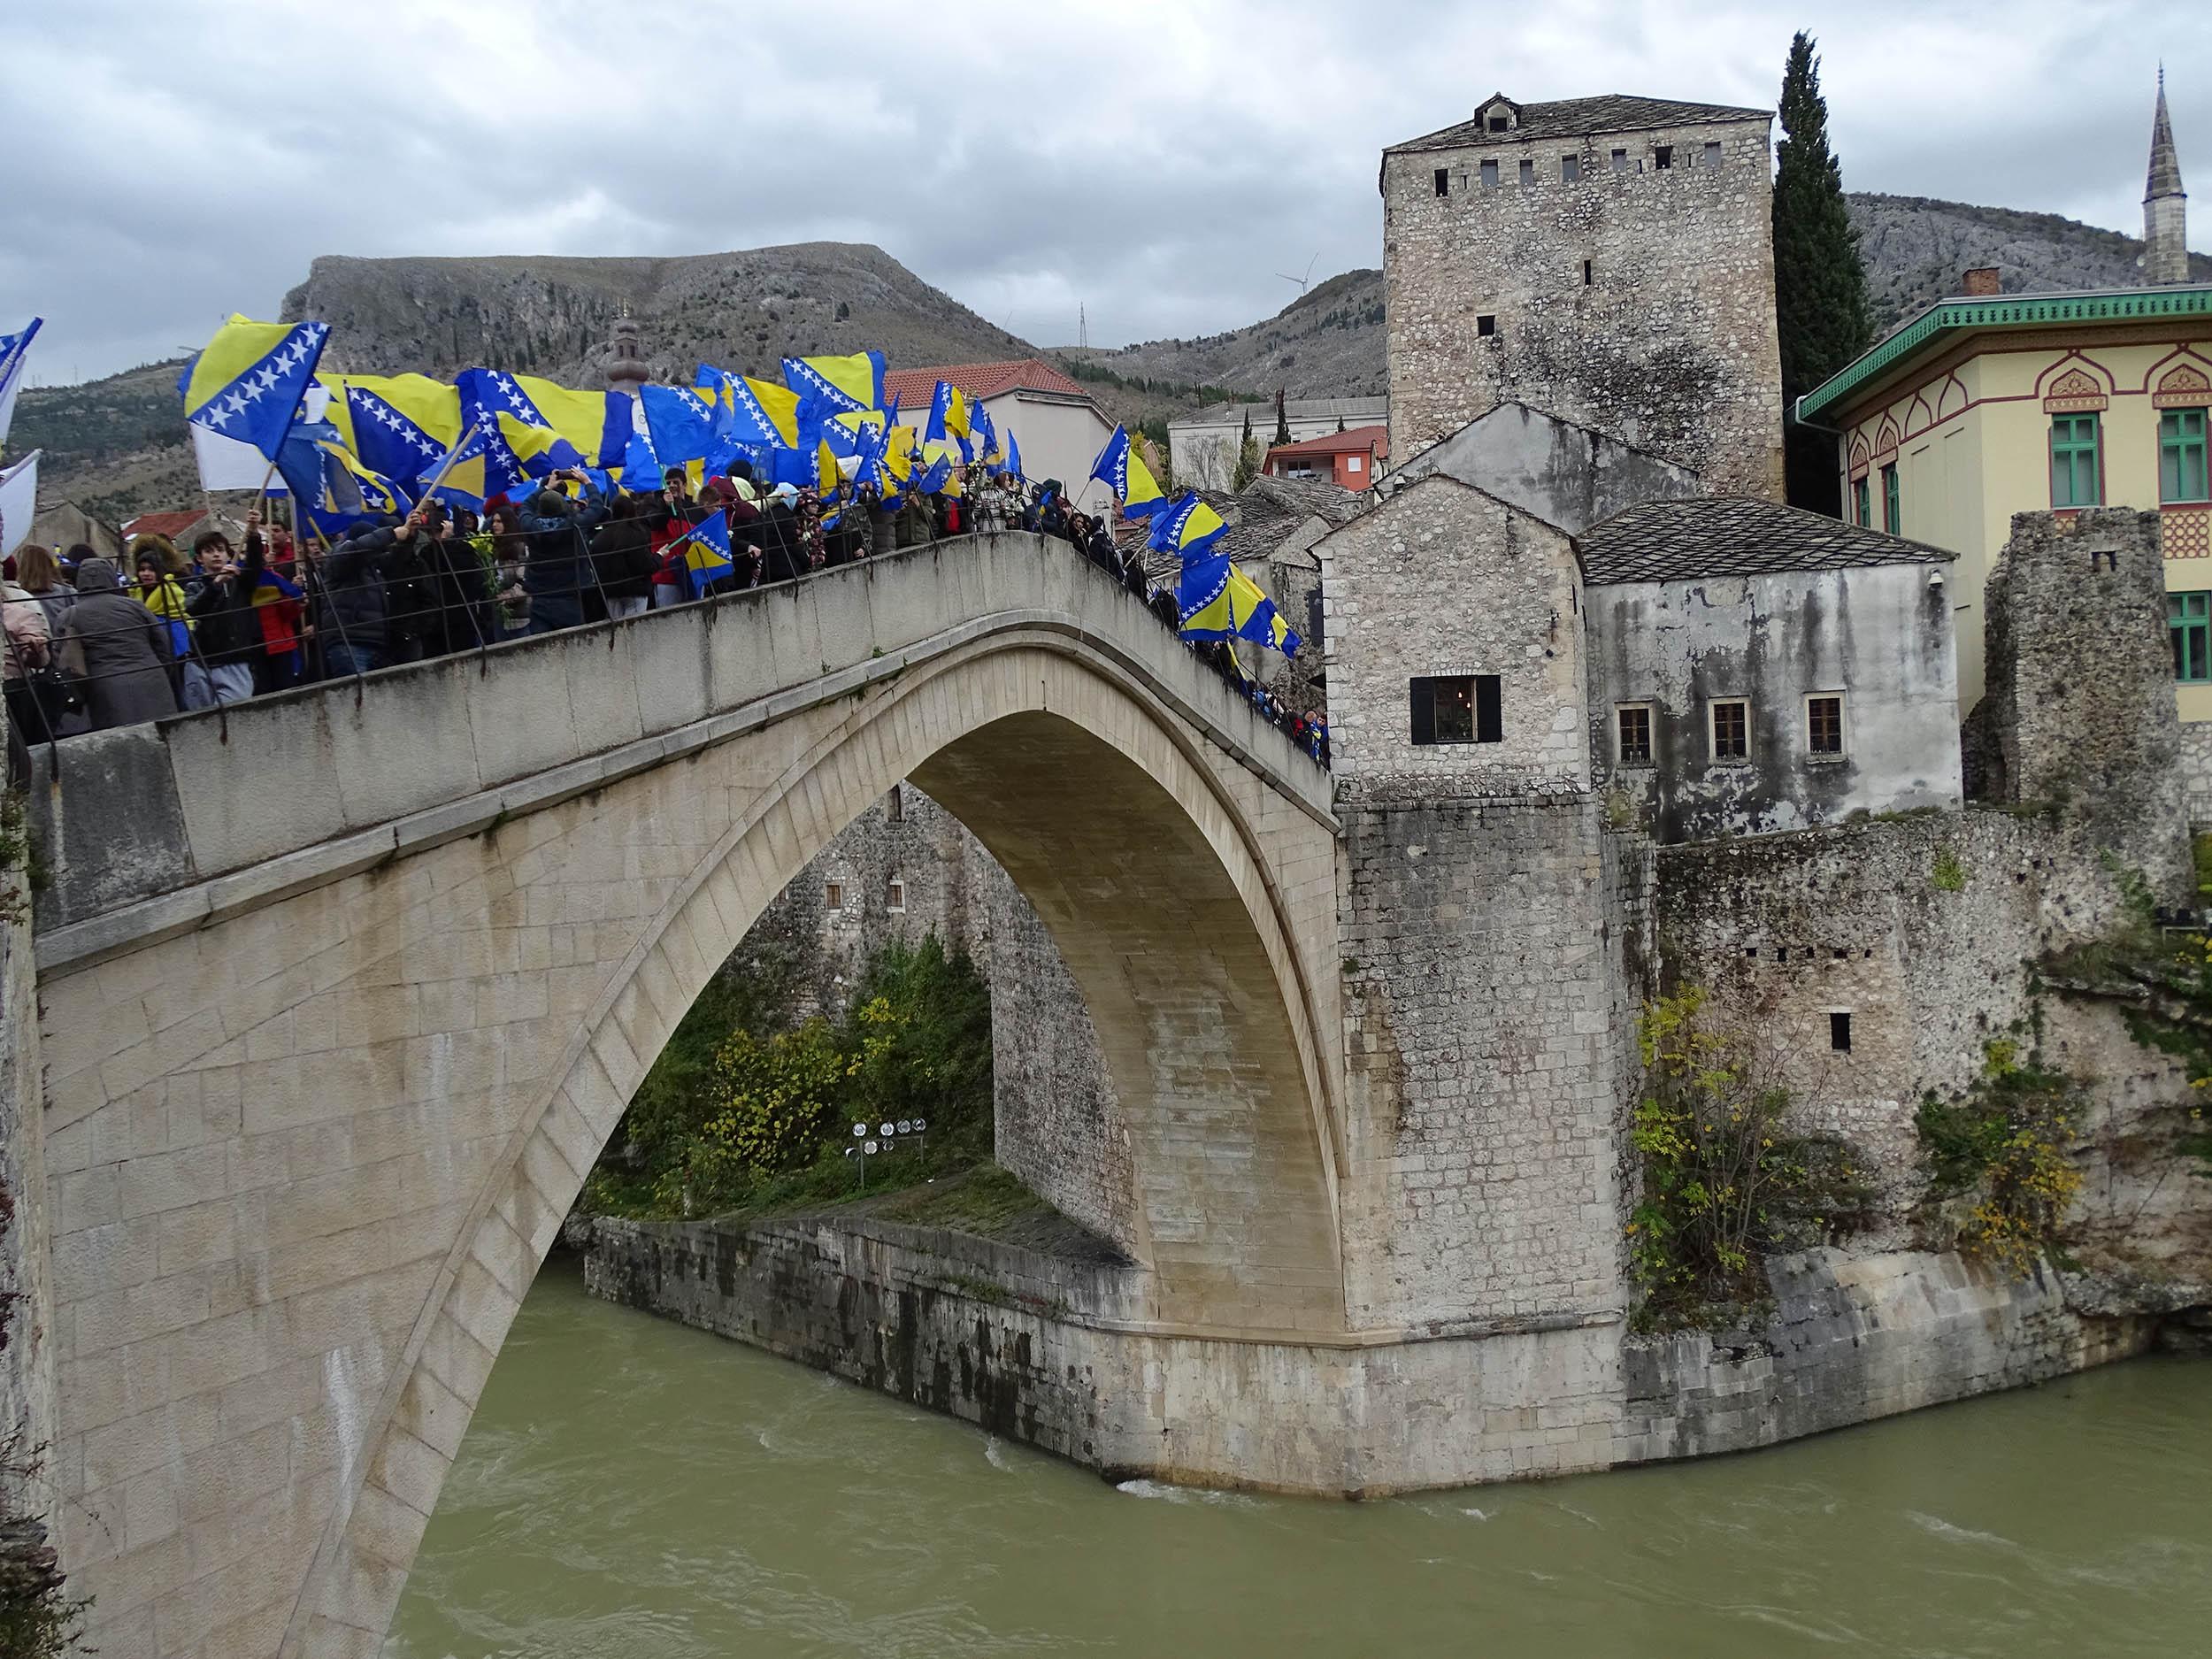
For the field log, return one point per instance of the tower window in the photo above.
(1586, 274)
(1500, 123)
(1712, 155)
(1840, 1031)
(1458, 708)
(1661, 158)
(1487, 326)
(832, 895)
(1620, 161)
(1489, 175)
(895, 806)
(1443, 181)
(1570, 169)
(894, 896)
(1528, 172)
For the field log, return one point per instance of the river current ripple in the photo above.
(633, 1489)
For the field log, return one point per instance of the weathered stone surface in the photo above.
(1668, 344)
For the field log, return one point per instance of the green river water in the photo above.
(634, 1490)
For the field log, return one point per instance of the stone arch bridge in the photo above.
(342, 991)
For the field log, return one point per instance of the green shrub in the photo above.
(2004, 1140)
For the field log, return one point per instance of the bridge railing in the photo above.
(298, 785)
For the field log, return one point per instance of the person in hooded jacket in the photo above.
(559, 572)
(783, 550)
(622, 559)
(350, 620)
(118, 649)
(460, 614)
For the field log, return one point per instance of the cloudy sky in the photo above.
(169, 161)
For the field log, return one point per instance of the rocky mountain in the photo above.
(115, 446)
(555, 316)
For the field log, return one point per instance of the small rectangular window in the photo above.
(1456, 709)
(1824, 722)
(1731, 729)
(2181, 459)
(1861, 502)
(2074, 470)
(1500, 123)
(1893, 503)
(894, 896)
(1586, 273)
(1620, 161)
(1528, 172)
(832, 895)
(1570, 169)
(1489, 175)
(1711, 157)
(1443, 181)
(1485, 325)
(895, 806)
(1663, 157)
(2189, 620)
(1633, 727)
(1351, 462)
(1840, 1031)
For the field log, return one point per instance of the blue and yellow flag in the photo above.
(757, 411)
(1122, 470)
(833, 386)
(395, 424)
(947, 414)
(247, 382)
(1217, 600)
(466, 474)
(707, 552)
(15, 349)
(681, 420)
(986, 435)
(1186, 528)
(1013, 458)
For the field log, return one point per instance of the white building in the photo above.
(1203, 445)
(1059, 426)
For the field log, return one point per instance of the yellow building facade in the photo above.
(1983, 407)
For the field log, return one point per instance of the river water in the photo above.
(632, 1489)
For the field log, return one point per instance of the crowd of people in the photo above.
(90, 646)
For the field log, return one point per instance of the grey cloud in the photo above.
(1158, 162)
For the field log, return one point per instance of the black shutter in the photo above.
(1489, 711)
(1424, 711)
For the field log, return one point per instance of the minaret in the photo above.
(628, 371)
(2165, 203)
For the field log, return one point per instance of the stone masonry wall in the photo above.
(1670, 345)
(1399, 596)
(2196, 772)
(1059, 1126)
(1921, 929)
(27, 1423)
(2081, 712)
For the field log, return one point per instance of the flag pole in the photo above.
(451, 454)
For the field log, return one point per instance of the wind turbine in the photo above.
(1304, 281)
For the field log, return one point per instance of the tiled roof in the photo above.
(914, 388)
(1576, 117)
(1298, 498)
(169, 523)
(1355, 441)
(1732, 535)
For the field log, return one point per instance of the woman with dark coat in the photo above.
(118, 649)
(622, 556)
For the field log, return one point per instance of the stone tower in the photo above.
(2165, 203)
(1608, 259)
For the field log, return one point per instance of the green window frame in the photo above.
(2075, 472)
(2189, 620)
(1893, 502)
(2181, 460)
(1862, 501)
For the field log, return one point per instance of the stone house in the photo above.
(1203, 445)
(1349, 460)
(1609, 259)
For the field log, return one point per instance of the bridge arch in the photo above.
(1189, 886)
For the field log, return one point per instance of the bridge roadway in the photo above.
(343, 991)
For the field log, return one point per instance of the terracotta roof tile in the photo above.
(1357, 441)
(914, 388)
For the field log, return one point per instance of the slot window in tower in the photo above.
(1840, 1031)
(1487, 326)
(1443, 181)
(1663, 157)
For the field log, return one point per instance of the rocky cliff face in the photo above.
(555, 317)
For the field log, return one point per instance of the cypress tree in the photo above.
(1282, 419)
(1248, 459)
(1820, 304)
